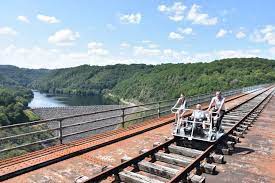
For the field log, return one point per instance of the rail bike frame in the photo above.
(183, 125)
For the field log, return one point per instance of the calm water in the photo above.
(52, 100)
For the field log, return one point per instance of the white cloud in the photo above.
(23, 19)
(174, 35)
(125, 45)
(173, 55)
(95, 54)
(47, 19)
(37, 57)
(257, 37)
(267, 29)
(65, 37)
(146, 41)
(272, 51)
(184, 57)
(149, 44)
(152, 45)
(200, 18)
(221, 33)
(186, 31)
(34, 57)
(240, 35)
(96, 48)
(141, 51)
(237, 53)
(130, 18)
(176, 18)
(162, 8)
(7, 31)
(111, 27)
(180, 33)
(174, 12)
(78, 56)
(266, 34)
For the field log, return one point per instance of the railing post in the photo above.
(158, 109)
(60, 132)
(123, 117)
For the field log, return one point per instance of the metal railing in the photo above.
(65, 129)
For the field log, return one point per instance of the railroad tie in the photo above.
(127, 176)
(193, 153)
(183, 161)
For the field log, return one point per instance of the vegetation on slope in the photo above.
(146, 83)
(139, 82)
(88, 80)
(13, 109)
(15, 76)
(13, 102)
(169, 80)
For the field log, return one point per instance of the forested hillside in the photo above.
(88, 80)
(169, 80)
(15, 76)
(13, 109)
(137, 82)
(148, 83)
(6, 81)
(13, 105)
(144, 82)
(15, 93)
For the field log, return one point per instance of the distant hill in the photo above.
(169, 80)
(12, 75)
(155, 82)
(88, 80)
(6, 81)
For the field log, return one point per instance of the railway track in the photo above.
(180, 160)
(12, 167)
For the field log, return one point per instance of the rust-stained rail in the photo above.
(194, 164)
(81, 151)
(160, 109)
(184, 173)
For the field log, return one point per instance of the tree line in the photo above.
(146, 83)
(13, 102)
(138, 82)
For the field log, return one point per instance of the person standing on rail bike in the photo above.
(180, 106)
(219, 108)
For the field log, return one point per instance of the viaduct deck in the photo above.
(254, 155)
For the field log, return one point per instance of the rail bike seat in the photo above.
(197, 129)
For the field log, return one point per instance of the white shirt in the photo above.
(198, 114)
(219, 104)
(181, 103)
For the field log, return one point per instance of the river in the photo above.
(58, 100)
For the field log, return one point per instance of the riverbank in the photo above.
(123, 101)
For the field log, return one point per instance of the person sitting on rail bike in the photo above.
(180, 106)
(219, 109)
(199, 117)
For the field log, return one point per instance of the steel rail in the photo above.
(82, 151)
(60, 128)
(103, 111)
(115, 170)
(184, 173)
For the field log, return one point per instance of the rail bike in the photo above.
(201, 130)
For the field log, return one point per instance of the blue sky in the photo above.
(63, 33)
